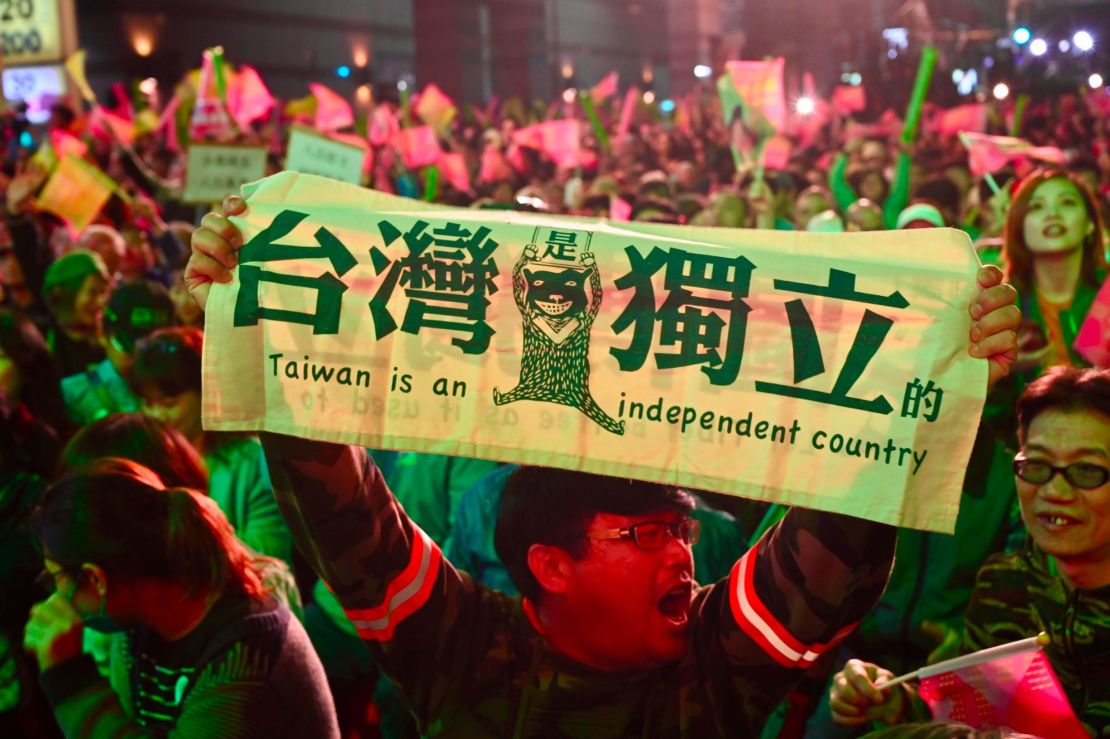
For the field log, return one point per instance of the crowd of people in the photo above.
(162, 578)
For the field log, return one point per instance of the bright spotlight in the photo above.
(343, 71)
(1001, 91)
(649, 97)
(1095, 81)
(703, 71)
(402, 85)
(1083, 41)
(569, 95)
(805, 106)
(857, 79)
(1021, 35)
(1064, 46)
(957, 76)
(667, 106)
(1038, 47)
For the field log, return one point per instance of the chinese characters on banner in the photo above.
(824, 370)
(215, 171)
(310, 153)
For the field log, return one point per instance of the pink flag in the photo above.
(383, 126)
(972, 117)
(494, 167)
(562, 141)
(776, 152)
(168, 121)
(333, 112)
(992, 153)
(110, 125)
(515, 157)
(66, 144)
(529, 136)
(354, 139)
(453, 168)
(209, 119)
(435, 108)
(627, 110)
(761, 88)
(848, 99)
(1018, 691)
(248, 98)
(1093, 341)
(619, 209)
(606, 88)
(418, 146)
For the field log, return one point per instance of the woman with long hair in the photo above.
(1054, 256)
(201, 649)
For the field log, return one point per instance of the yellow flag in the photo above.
(76, 192)
(75, 65)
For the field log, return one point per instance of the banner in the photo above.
(214, 171)
(76, 192)
(824, 370)
(311, 153)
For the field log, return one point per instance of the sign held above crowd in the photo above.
(828, 371)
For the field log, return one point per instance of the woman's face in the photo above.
(1056, 221)
(88, 306)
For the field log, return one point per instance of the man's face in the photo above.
(89, 304)
(632, 605)
(1066, 522)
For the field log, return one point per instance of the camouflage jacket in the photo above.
(469, 663)
(1018, 595)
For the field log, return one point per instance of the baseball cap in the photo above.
(73, 268)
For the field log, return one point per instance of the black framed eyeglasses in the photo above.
(1083, 475)
(652, 535)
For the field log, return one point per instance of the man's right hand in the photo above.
(215, 247)
(856, 698)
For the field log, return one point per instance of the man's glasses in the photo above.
(1083, 475)
(653, 534)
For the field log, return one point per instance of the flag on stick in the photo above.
(333, 112)
(987, 154)
(606, 88)
(1009, 686)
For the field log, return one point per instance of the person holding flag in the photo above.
(1058, 583)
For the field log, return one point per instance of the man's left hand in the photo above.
(54, 632)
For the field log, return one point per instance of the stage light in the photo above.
(1038, 47)
(805, 106)
(569, 95)
(1064, 46)
(1095, 81)
(149, 86)
(667, 106)
(1001, 91)
(1021, 35)
(970, 81)
(1083, 41)
(649, 97)
(857, 79)
(703, 71)
(957, 76)
(402, 85)
(343, 71)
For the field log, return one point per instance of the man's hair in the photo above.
(1064, 389)
(170, 360)
(543, 505)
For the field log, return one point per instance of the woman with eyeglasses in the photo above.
(203, 649)
(1060, 582)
